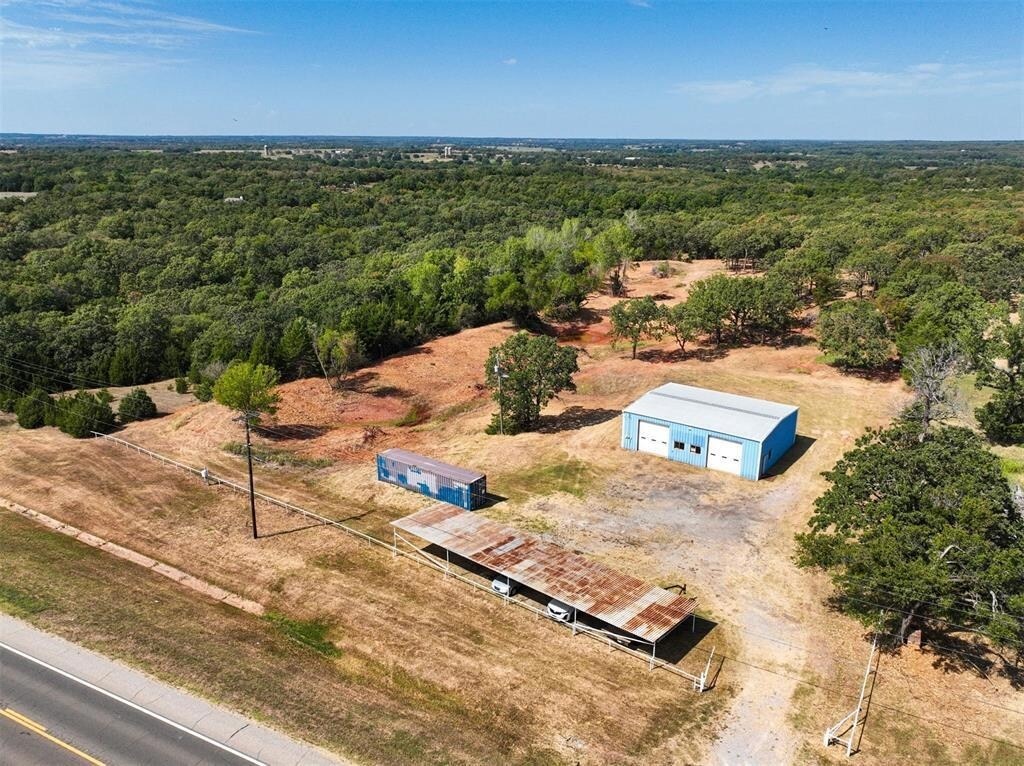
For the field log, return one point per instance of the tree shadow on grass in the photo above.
(359, 382)
(398, 392)
(672, 355)
(289, 432)
(574, 418)
(888, 373)
(956, 654)
(572, 329)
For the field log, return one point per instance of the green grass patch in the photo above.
(570, 475)
(1011, 467)
(311, 633)
(19, 603)
(535, 524)
(419, 412)
(277, 456)
(449, 413)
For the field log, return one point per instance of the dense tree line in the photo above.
(130, 267)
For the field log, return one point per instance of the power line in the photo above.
(49, 402)
(21, 375)
(71, 377)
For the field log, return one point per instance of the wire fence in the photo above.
(699, 681)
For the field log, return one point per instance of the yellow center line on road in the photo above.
(35, 728)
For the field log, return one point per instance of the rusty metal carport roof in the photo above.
(641, 609)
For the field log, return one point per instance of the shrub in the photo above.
(31, 409)
(204, 391)
(83, 413)
(136, 406)
(181, 385)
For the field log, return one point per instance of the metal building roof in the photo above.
(644, 610)
(741, 416)
(435, 467)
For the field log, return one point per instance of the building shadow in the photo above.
(575, 417)
(678, 644)
(787, 461)
(491, 499)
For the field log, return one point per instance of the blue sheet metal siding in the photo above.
(468, 496)
(779, 442)
(679, 432)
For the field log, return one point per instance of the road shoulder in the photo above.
(189, 711)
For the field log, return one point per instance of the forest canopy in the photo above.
(130, 266)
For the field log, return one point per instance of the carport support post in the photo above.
(693, 622)
(447, 561)
(654, 648)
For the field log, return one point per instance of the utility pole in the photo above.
(501, 399)
(248, 454)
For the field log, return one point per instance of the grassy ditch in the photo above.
(276, 669)
(277, 456)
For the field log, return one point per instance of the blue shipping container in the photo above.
(433, 478)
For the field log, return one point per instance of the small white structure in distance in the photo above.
(710, 429)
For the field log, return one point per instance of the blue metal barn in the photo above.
(443, 481)
(710, 429)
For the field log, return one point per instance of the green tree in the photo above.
(136, 405)
(617, 248)
(83, 412)
(708, 303)
(636, 319)
(853, 335)
(1002, 368)
(339, 353)
(680, 321)
(774, 307)
(248, 388)
(924, 528)
(295, 349)
(31, 409)
(950, 312)
(532, 370)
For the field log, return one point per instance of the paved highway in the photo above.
(49, 719)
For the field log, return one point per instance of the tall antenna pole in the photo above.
(252, 489)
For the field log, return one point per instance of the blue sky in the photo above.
(640, 68)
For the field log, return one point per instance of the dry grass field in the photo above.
(444, 673)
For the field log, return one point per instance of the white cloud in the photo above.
(924, 78)
(51, 44)
(512, 61)
(639, 3)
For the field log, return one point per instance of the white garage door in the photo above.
(724, 455)
(652, 438)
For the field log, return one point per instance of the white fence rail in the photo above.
(699, 681)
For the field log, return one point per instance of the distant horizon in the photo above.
(437, 137)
